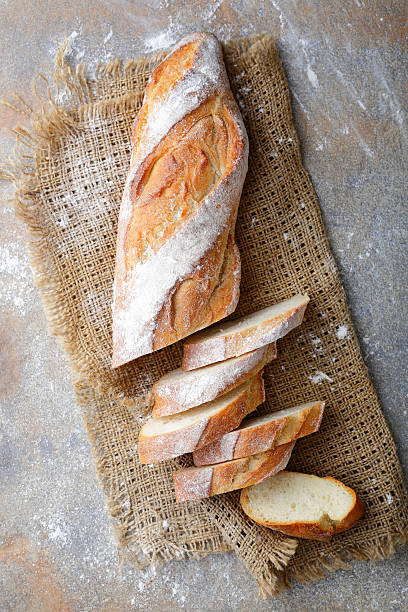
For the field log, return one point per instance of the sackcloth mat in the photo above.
(72, 157)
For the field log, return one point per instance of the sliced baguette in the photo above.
(179, 390)
(199, 482)
(243, 335)
(168, 437)
(261, 433)
(302, 505)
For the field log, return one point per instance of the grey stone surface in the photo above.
(346, 63)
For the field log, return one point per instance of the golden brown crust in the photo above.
(308, 422)
(190, 389)
(202, 349)
(198, 482)
(238, 444)
(245, 442)
(153, 449)
(322, 530)
(181, 179)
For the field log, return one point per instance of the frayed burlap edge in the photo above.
(50, 122)
(127, 538)
(46, 126)
(384, 548)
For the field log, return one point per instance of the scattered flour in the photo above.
(70, 40)
(108, 37)
(342, 332)
(16, 278)
(319, 377)
(389, 498)
(56, 533)
(311, 75)
(162, 40)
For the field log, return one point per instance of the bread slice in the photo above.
(243, 335)
(261, 433)
(168, 437)
(199, 482)
(178, 390)
(302, 505)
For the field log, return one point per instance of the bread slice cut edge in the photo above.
(200, 482)
(167, 437)
(234, 338)
(181, 390)
(261, 433)
(303, 505)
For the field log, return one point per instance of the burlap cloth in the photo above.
(68, 191)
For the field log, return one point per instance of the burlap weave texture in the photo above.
(70, 201)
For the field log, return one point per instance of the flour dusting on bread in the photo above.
(201, 247)
(179, 390)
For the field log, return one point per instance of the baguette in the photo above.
(177, 263)
(243, 335)
(168, 437)
(261, 433)
(199, 482)
(303, 506)
(179, 390)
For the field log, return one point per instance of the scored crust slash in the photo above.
(177, 265)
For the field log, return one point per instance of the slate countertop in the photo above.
(346, 63)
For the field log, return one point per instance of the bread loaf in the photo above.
(199, 482)
(259, 434)
(302, 505)
(243, 335)
(179, 390)
(177, 264)
(167, 437)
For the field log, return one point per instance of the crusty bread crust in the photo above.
(177, 264)
(199, 482)
(179, 390)
(308, 423)
(257, 439)
(153, 449)
(207, 347)
(322, 530)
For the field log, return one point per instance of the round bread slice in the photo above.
(167, 437)
(200, 482)
(179, 390)
(243, 335)
(261, 433)
(303, 505)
